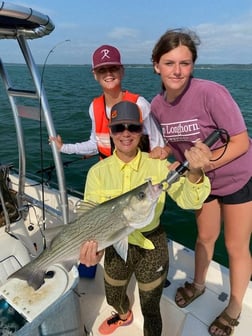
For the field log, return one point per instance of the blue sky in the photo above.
(134, 26)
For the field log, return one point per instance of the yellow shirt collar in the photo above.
(134, 164)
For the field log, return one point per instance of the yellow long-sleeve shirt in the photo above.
(112, 177)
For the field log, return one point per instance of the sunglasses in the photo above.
(119, 128)
(112, 68)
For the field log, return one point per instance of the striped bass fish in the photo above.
(108, 223)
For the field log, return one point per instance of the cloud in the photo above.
(123, 32)
(226, 43)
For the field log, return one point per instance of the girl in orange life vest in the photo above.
(109, 71)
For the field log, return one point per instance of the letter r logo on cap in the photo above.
(105, 53)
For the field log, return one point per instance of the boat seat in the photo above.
(13, 255)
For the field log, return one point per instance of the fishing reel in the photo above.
(174, 175)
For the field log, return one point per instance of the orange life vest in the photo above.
(104, 142)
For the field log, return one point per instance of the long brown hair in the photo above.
(173, 38)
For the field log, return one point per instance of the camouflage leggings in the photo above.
(150, 268)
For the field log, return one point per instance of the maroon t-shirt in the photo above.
(202, 107)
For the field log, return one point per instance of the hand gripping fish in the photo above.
(108, 223)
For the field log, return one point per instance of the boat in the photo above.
(73, 302)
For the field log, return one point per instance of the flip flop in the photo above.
(189, 288)
(228, 329)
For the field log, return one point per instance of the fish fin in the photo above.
(84, 206)
(121, 248)
(34, 279)
(51, 233)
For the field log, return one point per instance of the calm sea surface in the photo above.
(70, 90)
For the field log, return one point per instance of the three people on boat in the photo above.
(188, 109)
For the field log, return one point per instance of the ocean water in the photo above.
(70, 90)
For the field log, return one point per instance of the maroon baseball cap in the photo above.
(106, 55)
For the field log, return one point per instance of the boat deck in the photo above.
(190, 321)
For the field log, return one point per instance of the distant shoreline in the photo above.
(197, 66)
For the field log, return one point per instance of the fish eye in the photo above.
(141, 195)
(49, 274)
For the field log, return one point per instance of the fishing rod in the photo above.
(174, 175)
(51, 168)
(40, 127)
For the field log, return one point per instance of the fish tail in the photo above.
(34, 278)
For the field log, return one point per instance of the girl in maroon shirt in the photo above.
(189, 109)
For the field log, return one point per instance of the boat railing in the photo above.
(20, 23)
(18, 20)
